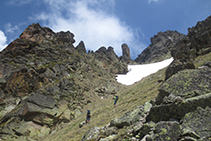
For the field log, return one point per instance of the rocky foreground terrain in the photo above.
(46, 85)
(182, 109)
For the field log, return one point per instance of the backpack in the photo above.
(88, 112)
(117, 98)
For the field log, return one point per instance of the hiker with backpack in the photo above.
(88, 116)
(115, 100)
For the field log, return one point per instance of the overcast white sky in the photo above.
(103, 22)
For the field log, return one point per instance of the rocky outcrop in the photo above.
(200, 37)
(196, 43)
(36, 33)
(81, 47)
(126, 55)
(160, 47)
(108, 59)
(125, 51)
(186, 84)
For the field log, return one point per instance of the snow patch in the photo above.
(137, 72)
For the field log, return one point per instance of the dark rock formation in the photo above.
(186, 84)
(167, 131)
(81, 47)
(160, 47)
(197, 124)
(197, 42)
(36, 33)
(200, 37)
(125, 51)
(110, 61)
(126, 55)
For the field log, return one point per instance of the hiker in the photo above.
(115, 100)
(88, 116)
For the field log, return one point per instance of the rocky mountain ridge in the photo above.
(45, 80)
(160, 47)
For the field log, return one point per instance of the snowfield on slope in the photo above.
(137, 72)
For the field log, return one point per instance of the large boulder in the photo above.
(166, 131)
(178, 109)
(176, 66)
(186, 84)
(127, 119)
(197, 124)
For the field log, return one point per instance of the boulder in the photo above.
(146, 129)
(197, 124)
(42, 100)
(176, 66)
(176, 111)
(127, 119)
(147, 106)
(167, 131)
(208, 64)
(186, 84)
(92, 134)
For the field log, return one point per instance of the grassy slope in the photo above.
(103, 111)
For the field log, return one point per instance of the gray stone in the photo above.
(91, 134)
(197, 124)
(167, 131)
(127, 119)
(42, 100)
(177, 111)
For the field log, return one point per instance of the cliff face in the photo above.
(160, 47)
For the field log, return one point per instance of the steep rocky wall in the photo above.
(160, 47)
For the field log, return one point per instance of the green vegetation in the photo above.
(102, 110)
